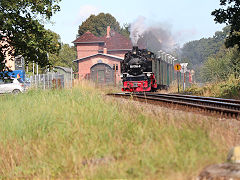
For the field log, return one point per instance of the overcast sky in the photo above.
(186, 19)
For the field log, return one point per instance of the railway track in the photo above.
(207, 105)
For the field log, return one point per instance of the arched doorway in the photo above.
(102, 73)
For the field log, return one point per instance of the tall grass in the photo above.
(81, 133)
(223, 89)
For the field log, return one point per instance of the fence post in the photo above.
(48, 81)
(71, 77)
(35, 81)
(39, 81)
(44, 81)
(52, 80)
(31, 80)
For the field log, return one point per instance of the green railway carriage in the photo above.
(164, 73)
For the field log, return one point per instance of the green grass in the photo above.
(221, 89)
(81, 133)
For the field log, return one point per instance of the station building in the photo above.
(98, 58)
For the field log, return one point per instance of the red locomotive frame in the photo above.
(140, 86)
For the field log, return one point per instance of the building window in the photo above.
(115, 67)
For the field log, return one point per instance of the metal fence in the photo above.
(50, 81)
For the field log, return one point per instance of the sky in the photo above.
(186, 20)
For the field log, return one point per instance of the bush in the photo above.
(225, 89)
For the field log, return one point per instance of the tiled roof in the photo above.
(88, 37)
(64, 68)
(116, 41)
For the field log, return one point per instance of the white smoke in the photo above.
(137, 29)
(141, 28)
(164, 36)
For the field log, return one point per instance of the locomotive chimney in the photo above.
(135, 50)
(108, 31)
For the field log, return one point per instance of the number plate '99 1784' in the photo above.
(135, 66)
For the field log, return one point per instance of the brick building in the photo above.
(98, 58)
(7, 49)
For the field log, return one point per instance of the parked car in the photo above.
(12, 85)
(27, 83)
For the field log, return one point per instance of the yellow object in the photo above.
(177, 67)
(234, 155)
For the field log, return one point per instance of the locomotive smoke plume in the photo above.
(137, 29)
(154, 37)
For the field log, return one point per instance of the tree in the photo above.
(125, 30)
(220, 66)
(98, 25)
(21, 29)
(65, 57)
(230, 14)
(199, 50)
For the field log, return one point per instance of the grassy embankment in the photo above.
(81, 133)
(225, 89)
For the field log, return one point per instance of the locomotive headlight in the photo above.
(148, 74)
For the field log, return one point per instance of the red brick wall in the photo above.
(84, 50)
(85, 65)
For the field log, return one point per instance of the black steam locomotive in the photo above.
(142, 71)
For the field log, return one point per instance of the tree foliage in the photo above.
(21, 29)
(199, 50)
(229, 14)
(125, 30)
(98, 25)
(65, 57)
(220, 66)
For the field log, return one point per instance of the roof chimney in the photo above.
(108, 31)
(104, 50)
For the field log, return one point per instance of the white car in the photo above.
(12, 85)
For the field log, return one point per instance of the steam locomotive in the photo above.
(142, 71)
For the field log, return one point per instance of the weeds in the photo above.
(225, 89)
(81, 133)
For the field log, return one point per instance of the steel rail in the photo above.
(202, 101)
(205, 104)
(235, 101)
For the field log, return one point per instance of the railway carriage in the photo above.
(142, 71)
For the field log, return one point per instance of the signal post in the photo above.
(177, 68)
